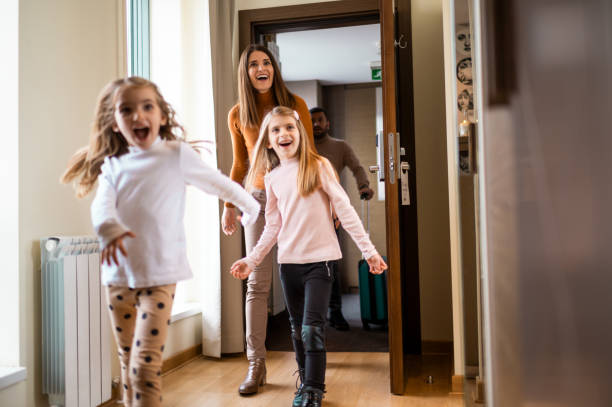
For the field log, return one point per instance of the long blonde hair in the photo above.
(246, 93)
(86, 163)
(265, 159)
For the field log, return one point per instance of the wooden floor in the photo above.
(353, 379)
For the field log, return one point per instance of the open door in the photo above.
(396, 348)
(399, 152)
(391, 167)
(400, 186)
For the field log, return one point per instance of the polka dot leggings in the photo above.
(140, 319)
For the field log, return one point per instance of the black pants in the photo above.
(335, 301)
(307, 289)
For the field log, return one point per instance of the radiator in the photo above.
(76, 337)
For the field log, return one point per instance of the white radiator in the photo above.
(76, 337)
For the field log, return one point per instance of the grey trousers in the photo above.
(258, 287)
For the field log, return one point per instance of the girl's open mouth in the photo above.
(285, 143)
(141, 134)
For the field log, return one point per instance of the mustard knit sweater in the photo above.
(244, 139)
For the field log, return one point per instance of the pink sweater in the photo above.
(303, 226)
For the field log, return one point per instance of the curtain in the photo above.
(223, 34)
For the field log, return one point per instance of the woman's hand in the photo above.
(377, 264)
(110, 251)
(228, 220)
(335, 219)
(240, 269)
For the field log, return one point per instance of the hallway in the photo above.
(353, 379)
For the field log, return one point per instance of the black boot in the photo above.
(336, 320)
(312, 397)
(298, 346)
(299, 394)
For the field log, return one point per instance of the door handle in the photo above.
(404, 168)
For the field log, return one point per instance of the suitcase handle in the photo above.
(365, 217)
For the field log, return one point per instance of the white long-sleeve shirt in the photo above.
(143, 191)
(303, 225)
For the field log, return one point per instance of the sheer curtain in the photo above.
(223, 35)
(190, 64)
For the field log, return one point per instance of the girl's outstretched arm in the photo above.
(377, 264)
(110, 251)
(240, 269)
(228, 220)
(271, 229)
(211, 181)
(104, 215)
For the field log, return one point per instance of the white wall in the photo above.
(183, 335)
(68, 50)
(310, 91)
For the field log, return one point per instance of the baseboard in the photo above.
(437, 347)
(471, 372)
(109, 403)
(181, 358)
(479, 396)
(456, 385)
(115, 394)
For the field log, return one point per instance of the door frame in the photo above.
(305, 17)
(343, 13)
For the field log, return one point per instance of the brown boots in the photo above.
(256, 376)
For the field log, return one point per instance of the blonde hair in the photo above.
(265, 159)
(246, 93)
(104, 142)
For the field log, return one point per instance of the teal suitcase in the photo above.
(372, 291)
(372, 296)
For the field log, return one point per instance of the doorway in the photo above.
(331, 68)
(402, 248)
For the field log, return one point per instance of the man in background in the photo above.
(340, 155)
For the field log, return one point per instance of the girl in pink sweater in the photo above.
(301, 189)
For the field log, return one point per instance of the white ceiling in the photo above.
(333, 55)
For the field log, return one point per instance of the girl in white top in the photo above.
(301, 189)
(142, 170)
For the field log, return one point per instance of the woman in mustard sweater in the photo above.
(260, 89)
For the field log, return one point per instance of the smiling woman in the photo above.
(261, 71)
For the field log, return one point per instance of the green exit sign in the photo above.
(376, 74)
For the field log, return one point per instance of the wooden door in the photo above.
(402, 236)
(396, 351)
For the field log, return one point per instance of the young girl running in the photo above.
(142, 169)
(260, 88)
(301, 188)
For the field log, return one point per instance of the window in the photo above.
(170, 44)
(9, 179)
